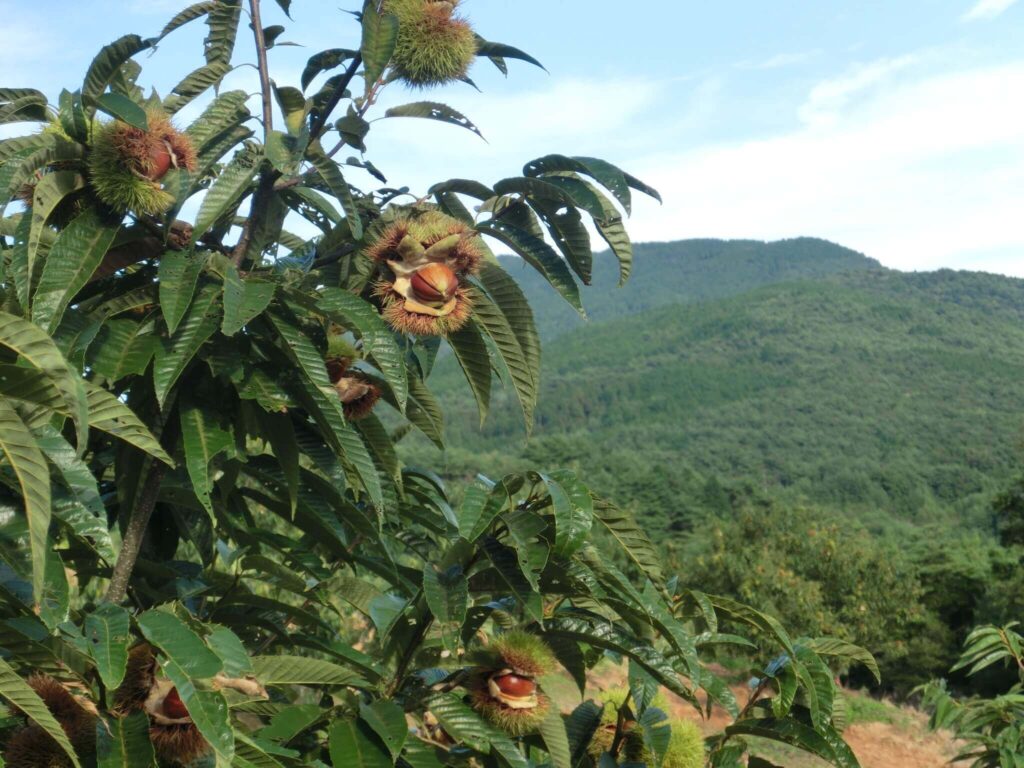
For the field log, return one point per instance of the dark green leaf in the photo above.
(76, 253)
(352, 747)
(108, 63)
(388, 721)
(18, 447)
(107, 630)
(123, 742)
(332, 176)
(471, 351)
(182, 647)
(173, 356)
(540, 256)
(203, 439)
(432, 110)
(298, 670)
(827, 746)
(178, 276)
(380, 34)
(124, 109)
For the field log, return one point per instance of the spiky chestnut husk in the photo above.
(339, 348)
(178, 745)
(358, 394)
(435, 46)
(394, 309)
(514, 722)
(686, 749)
(126, 163)
(524, 654)
(631, 748)
(176, 740)
(139, 678)
(438, 249)
(613, 699)
(32, 747)
(443, 240)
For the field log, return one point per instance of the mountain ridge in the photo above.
(865, 389)
(699, 269)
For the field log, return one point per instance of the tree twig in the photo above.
(269, 176)
(320, 121)
(620, 726)
(264, 69)
(141, 513)
(261, 197)
(754, 698)
(142, 509)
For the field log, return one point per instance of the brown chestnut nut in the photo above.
(174, 707)
(515, 685)
(435, 284)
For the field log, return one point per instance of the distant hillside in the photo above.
(683, 272)
(872, 390)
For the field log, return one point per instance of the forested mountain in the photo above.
(848, 385)
(683, 272)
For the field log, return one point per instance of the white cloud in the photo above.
(828, 98)
(779, 60)
(922, 174)
(987, 9)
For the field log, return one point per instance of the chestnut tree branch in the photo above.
(269, 176)
(265, 189)
(319, 123)
(264, 69)
(134, 534)
(142, 509)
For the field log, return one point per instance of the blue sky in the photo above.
(896, 128)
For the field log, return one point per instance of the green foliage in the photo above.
(812, 389)
(993, 728)
(197, 535)
(818, 574)
(1009, 512)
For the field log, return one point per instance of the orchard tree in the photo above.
(211, 552)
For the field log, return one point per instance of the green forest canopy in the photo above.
(847, 384)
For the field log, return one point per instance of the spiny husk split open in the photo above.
(525, 654)
(412, 247)
(514, 722)
(358, 393)
(517, 654)
(126, 164)
(176, 741)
